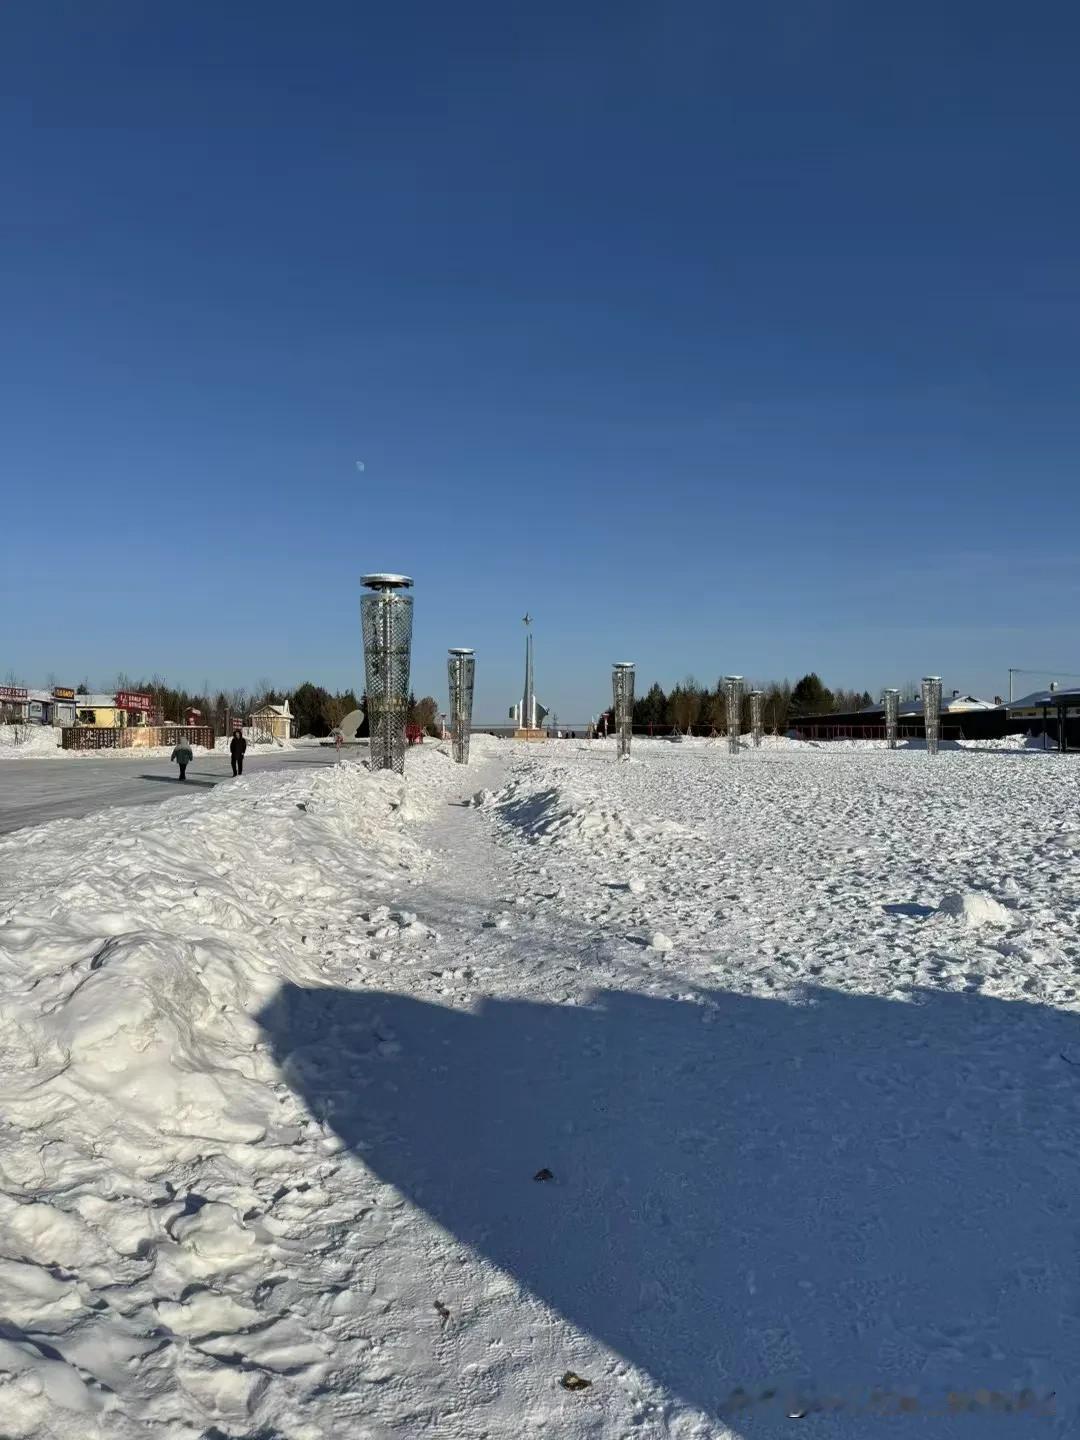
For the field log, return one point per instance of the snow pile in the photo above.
(973, 908)
(1010, 742)
(145, 1127)
(566, 814)
(28, 742)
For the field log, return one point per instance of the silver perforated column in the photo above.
(734, 711)
(757, 716)
(386, 616)
(931, 699)
(622, 685)
(890, 699)
(461, 668)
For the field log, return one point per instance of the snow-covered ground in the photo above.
(341, 1106)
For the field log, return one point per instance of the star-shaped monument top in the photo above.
(526, 619)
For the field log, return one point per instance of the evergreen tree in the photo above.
(811, 697)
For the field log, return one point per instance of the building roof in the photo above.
(1038, 698)
(96, 702)
(281, 710)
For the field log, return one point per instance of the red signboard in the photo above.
(133, 700)
(12, 692)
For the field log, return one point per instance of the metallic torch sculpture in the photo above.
(890, 699)
(757, 716)
(386, 616)
(622, 685)
(931, 704)
(461, 668)
(734, 711)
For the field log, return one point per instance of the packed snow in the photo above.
(552, 1096)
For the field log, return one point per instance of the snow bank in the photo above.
(145, 1125)
(565, 814)
(28, 742)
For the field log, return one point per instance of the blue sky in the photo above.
(719, 337)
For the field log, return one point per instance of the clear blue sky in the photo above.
(719, 337)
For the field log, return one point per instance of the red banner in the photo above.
(12, 692)
(133, 700)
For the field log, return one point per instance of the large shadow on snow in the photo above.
(829, 1195)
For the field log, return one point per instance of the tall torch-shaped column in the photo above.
(931, 702)
(622, 685)
(461, 667)
(757, 716)
(890, 699)
(734, 711)
(386, 615)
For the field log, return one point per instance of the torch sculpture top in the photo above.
(461, 650)
(387, 582)
(733, 677)
(623, 665)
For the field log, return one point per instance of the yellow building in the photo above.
(113, 712)
(275, 722)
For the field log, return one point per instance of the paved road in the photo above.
(33, 791)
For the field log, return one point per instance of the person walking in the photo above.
(182, 756)
(237, 746)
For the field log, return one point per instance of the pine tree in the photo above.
(811, 697)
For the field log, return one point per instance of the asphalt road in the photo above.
(33, 791)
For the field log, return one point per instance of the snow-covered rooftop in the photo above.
(1049, 698)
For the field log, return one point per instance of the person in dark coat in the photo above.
(237, 746)
(182, 755)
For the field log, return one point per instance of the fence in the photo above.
(871, 732)
(134, 737)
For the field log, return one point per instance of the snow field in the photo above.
(789, 1038)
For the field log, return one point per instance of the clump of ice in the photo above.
(660, 941)
(974, 908)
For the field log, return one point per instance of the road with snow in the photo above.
(34, 791)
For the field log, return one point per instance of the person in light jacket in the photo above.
(237, 746)
(183, 757)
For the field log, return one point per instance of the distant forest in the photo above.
(691, 706)
(687, 706)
